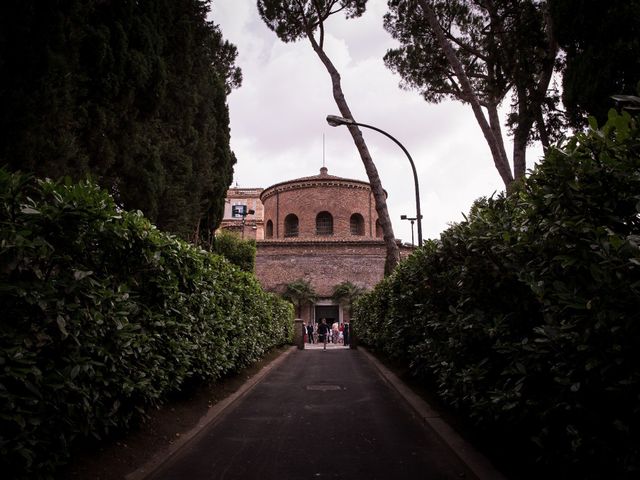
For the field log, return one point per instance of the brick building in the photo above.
(323, 229)
(237, 217)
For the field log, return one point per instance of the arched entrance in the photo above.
(329, 312)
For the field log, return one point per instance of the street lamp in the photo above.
(335, 121)
(244, 217)
(241, 211)
(412, 220)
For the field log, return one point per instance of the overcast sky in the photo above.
(278, 119)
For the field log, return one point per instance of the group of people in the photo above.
(337, 333)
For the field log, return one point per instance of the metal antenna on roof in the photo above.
(323, 151)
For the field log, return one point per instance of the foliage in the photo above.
(293, 20)
(103, 316)
(473, 51)
(602, 54)
(241, 253)
(346, 293)
(131, 93)
(526, 316)
(300, 292)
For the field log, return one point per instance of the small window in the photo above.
(269, 232)
(357, 224)
(379, 232)
(291, 225)
(324, 224)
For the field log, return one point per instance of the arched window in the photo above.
(291, 225)
(357, 224)
(379, 232)
(269, 232)
(324, 224)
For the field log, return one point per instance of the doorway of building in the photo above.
(329, 312)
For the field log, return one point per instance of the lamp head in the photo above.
(335, 120)
(403, 217)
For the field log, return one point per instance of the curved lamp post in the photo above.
(412, 220)
(335, 121)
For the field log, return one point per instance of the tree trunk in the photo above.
(542, 132)
(519, 153)
(496, 128)
(501, 162)
(393, 253)
(545, 78)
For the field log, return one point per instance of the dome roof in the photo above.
(314, 180)
(324, 175)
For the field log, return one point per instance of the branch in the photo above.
(543, 83)
(465, 46)
(499, 159)
(330, 6)
(311, 26)
(552, 52)
(323, 15)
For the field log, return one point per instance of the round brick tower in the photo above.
(321, 229)
(321, 208)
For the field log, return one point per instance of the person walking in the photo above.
(310, 332)
(346, 333)
(323, 332)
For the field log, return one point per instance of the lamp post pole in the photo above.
(244, 218)
(412, 220)
(335, 121)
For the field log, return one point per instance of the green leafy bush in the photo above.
(526, 316)
(241, 253)
(103, 316)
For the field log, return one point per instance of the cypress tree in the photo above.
(131, 93)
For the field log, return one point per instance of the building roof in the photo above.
(324, 175)
(314, 180)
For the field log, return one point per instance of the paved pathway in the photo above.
(319, 414)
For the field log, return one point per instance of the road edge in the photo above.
(214, 414)
(474, 460)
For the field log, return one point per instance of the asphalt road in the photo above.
(320, 414)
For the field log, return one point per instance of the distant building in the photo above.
(237, 217)
(323, 229)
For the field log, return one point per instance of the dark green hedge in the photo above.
(526, 317)
(103, 316)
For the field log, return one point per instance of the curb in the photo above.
(475, 461)
(214, 414)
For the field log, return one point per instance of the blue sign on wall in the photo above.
(238, 211)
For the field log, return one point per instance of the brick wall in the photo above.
(307, 197)
(253, 225)
(324, 261)
(324, 264)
